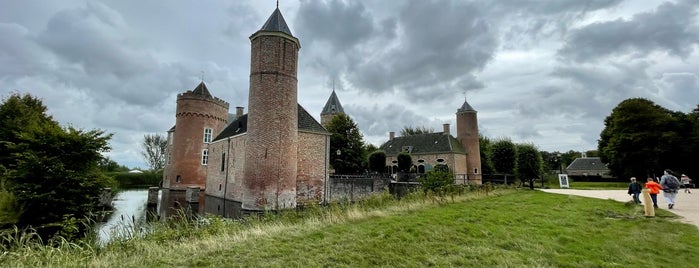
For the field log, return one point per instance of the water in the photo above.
(129, 207)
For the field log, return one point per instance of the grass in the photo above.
(505, 228)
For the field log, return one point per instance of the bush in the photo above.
(436, 181)
(127, 180)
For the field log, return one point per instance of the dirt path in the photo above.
(686, 205)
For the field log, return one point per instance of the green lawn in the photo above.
(506, 228)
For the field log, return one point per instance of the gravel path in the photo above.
(686, 205)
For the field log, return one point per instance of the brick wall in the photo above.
(312, 167)
(467, 134)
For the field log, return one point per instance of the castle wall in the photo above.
(230, 179)
(312, 162)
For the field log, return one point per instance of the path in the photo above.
(687, 205)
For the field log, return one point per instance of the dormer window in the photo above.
(407, 149)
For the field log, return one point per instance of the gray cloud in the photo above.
(671, 28)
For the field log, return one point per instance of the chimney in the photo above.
(391, 135)
(238, 112)
(446, 129)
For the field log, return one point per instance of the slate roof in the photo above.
(276, 23)
(240, 125)
(202, 90)
(587, 163)
(424, 144)
(333, 105)
(466, 107)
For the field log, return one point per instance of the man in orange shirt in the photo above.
(653, 189)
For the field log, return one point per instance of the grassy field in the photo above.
(505, 228)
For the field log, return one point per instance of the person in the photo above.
(685, 182)
(635, 190)
(653, 189)
(671, 185)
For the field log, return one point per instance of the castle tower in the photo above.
(199, 117)
(467, 134)
(332, 108)
(269, 180)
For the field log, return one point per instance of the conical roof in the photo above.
(333, 105)
(466, 107)
(201, 90)
(276, 23)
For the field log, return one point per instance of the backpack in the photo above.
(672, 182)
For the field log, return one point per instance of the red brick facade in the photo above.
(467, 134)
(185, 146)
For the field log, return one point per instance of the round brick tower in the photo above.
(198, 118)
(272, 133)
(467, 134)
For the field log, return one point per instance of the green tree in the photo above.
(410, 131)
(637, 135)
(153, 147)
(436, 181)
(528, 162)
(405, 162)
(377, 161)
(52, 172)
(109, 165)
(346, 145)
(486, 150)
(504, 156)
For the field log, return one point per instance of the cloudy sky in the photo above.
(544, 72)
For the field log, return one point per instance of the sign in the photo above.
(563, 180)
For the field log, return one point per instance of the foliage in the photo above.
(366, 153)
(377, 161)
(51, 171)
(504, 156)
(410, 131)
(436, 181)
(153, 147)
(127, 180)
(486, 151)
(109, 165)
(528, 162)
(639, 139)
(405, 162)
(10, 208)
(346, 139)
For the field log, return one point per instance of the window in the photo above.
(169, 158)
(207, 135)
(170, 137)
(178, 179)
(204, 157)
(475, 171)
(223, 162)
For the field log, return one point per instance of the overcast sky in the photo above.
(541, 72)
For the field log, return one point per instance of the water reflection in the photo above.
(129, 208)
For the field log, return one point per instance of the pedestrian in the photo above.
(635, 190)
(671, 185)
(653, 189)
(685, 182)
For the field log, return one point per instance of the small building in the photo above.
(588, 168)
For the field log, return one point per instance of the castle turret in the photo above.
(332, 108)
(272, 133)
(199, 117)
(467, 134)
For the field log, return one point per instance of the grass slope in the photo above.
(505, 229)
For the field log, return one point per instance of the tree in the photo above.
(154, 146)
(637, 136)
(410, 131)
(528, 163)
(405, 162)
(109, 165)
(346, 145)
(52, 172)
(436, 181)
(486, 150)
(377, 161)
(504, 156)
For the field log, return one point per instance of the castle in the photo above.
(277, 155)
